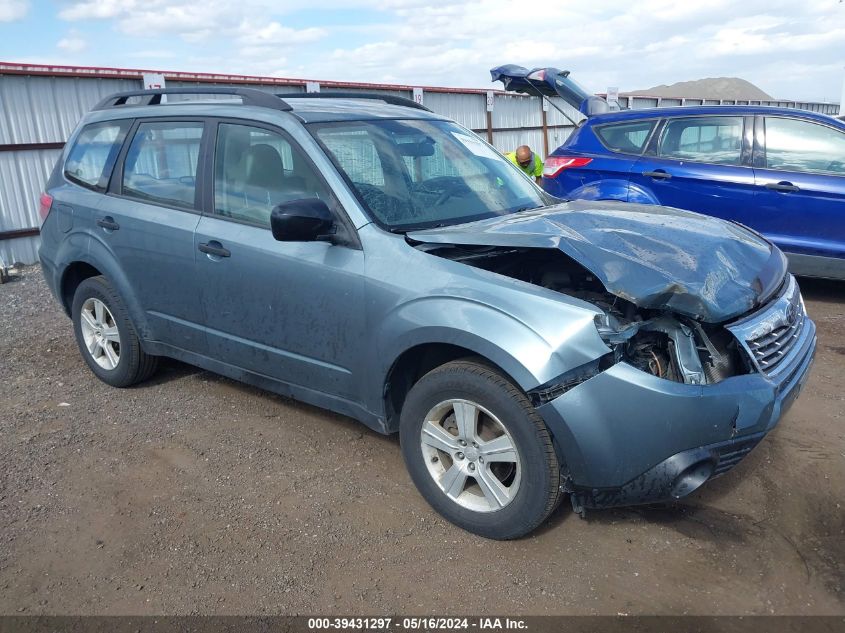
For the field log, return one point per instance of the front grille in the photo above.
(770, 349)
(771, 335)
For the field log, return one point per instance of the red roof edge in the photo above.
(54, 70)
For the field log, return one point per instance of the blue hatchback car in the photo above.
(778, 171)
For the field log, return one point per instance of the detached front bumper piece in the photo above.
(629, 437)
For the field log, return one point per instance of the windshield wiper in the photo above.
(528, 208)
(418, 227)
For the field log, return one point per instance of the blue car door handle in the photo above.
(214, 248)
(657, 174)
(108, 223)
(786, 187)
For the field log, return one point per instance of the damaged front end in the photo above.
(664, 344)
(684, 392)
(674, 348)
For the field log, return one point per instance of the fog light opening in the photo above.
(692, 478)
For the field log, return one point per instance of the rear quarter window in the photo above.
(628, 138)
(94, 152)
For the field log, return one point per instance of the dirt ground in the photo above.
(193, 494)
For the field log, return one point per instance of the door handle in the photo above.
(214, 248)
(660, 174)
(108, 223)
(784, 186)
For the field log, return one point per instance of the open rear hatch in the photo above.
(550, 82)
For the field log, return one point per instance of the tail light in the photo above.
(556, 164)
(45, 202)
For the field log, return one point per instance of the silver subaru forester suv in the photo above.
(365, 255)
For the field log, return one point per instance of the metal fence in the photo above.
(41, 105)
(635, 102)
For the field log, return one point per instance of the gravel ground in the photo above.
(193, 494)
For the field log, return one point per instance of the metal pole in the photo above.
(545, 132)
(489, 127)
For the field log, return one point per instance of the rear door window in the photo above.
(714, 139)
(92, 157)
(628, 138)
(794, 145)
(161, 164)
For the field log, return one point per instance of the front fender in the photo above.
(530, 357)
(81, 247)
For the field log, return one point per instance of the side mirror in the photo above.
(301, 220)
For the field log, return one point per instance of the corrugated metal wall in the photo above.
(470, 110)
(46, 109)
(22, 175)
(43, 109)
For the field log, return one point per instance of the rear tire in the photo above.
(478, 451)
(106, 337)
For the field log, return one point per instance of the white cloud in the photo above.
(196, 22)
(73, 43)
(278, 35)
(152, 54)
(96, 10)
(264, 45)
(11, 10)
(632, 45)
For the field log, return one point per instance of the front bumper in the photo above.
(629, 437)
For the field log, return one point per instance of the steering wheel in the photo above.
(450, 190)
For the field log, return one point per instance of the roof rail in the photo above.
(391, 99)
(249, 96)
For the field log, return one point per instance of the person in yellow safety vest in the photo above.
(527, 161)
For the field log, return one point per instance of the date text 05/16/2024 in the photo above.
(415, 624)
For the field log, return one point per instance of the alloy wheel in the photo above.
(470, 455)
(100, 333)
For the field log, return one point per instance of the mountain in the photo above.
(710, 88)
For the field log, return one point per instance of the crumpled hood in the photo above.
(653, 256)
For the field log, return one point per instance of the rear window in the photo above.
(628, 138)
(92, 157)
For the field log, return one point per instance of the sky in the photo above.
(792, 49)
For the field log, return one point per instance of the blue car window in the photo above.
(715, 139)
(161, 164)
(628, 138)
(795, 145)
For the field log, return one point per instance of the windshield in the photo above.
(413, 174)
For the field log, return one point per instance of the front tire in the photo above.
(106, 337)
(478, 451)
